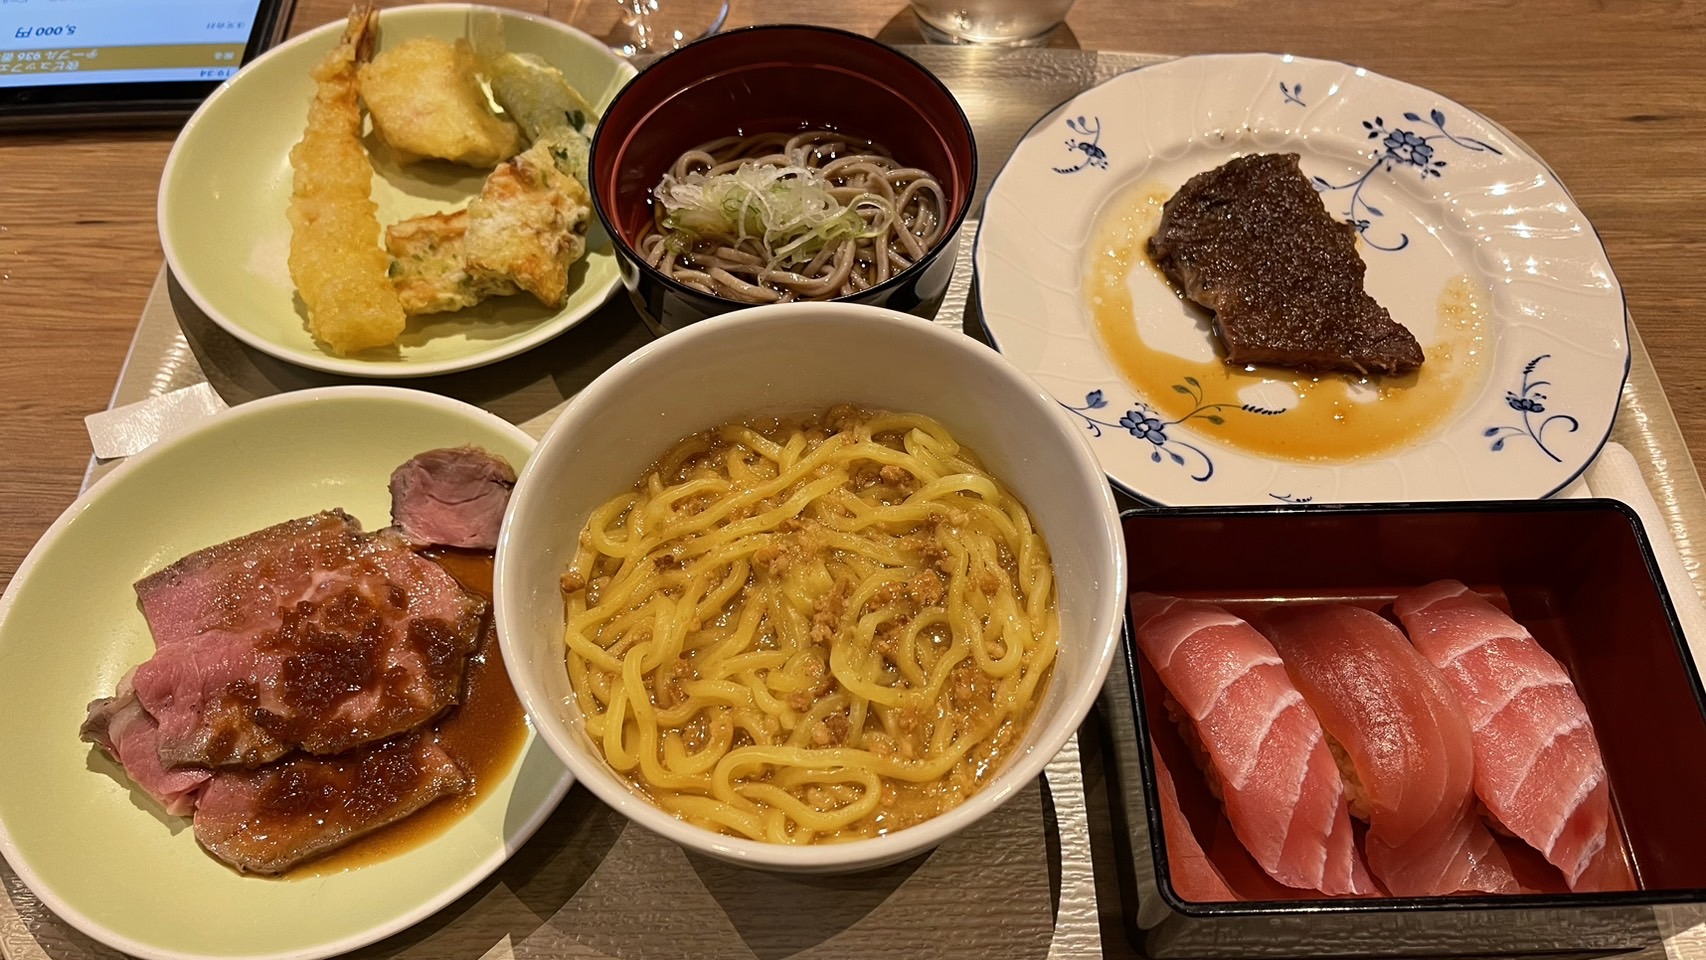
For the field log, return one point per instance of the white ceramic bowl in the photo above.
(792, 359)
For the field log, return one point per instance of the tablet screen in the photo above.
(59, 42)
(67, 63)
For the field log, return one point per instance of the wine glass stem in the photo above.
(658, 26)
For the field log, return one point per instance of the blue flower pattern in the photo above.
(1088, 142)
(1398, 148)
(1529, 401)
(1144, 422)
(1145, 427)
(1406, 147)
(1293, 93)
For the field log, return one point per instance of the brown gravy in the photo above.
(1336, 416)
(484, 733)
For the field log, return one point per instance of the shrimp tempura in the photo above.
(335, 259)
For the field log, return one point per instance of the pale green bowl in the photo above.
(227, 185)
(103, 856)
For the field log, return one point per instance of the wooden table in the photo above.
(1606, 90)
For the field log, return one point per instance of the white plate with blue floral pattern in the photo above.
(1469, 241)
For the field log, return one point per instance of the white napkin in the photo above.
(128, 430)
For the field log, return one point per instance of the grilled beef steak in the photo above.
(451, 498)
(300, 671)
(1252, 241)
(309, 634)
(129, 735)
(267, 820)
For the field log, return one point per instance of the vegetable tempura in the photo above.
(426, 101)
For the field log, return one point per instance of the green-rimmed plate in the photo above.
(227, 185)
(105, 857)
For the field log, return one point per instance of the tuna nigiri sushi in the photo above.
(1194, 876)
(1265, 749)
(1538, 766)
(1402, 731)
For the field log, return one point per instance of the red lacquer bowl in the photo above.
(767, 79)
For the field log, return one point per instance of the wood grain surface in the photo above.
(1608, 91)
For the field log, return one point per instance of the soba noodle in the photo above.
(900, 216)
(810, 631)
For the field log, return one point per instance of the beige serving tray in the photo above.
(1040, 878)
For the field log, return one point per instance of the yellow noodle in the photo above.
(812, 630)
(715, 814)
(680, 761)
(756, 660)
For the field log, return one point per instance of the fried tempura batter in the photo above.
(533, 92)
(335, 259)
(529, 224)
(426, 102)
(430, 271)
(538, 96)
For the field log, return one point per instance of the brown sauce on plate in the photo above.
(484, 733)
(1335, 417)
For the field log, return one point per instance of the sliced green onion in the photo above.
(789, 210)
